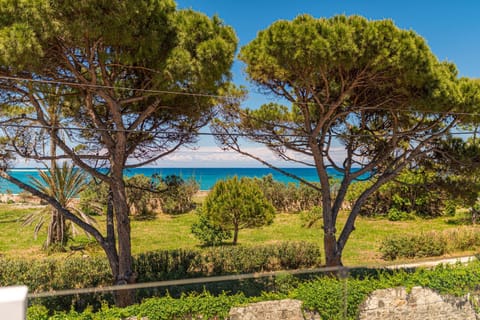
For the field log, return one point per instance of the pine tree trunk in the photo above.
(333, 255)
(124, 274)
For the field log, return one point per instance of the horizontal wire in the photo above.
(99, 86)
(156, 284)
(12, 125)
(341, 271)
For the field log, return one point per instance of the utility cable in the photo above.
(198, 94)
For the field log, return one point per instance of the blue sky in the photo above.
(451, 28)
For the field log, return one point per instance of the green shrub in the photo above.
(281, 256)
(208, 233)
(333, 298)
(177, 264)
(191, 306)
(395, 214)
(430, 244)
(288, 197)
(165, 265)
(37, 312)
(310, 217)
(414, 192)
(54, 274)
(145, 195)
(177, 194)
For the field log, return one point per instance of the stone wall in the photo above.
(272, 310)
(394, 304)
(420, 303)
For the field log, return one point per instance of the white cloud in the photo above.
(213, 156)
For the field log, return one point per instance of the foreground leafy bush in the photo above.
(192, 306)
(430, 244)
(331, 297)
(281, 256)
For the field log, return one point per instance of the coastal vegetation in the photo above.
(103, 88)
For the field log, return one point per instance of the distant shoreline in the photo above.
(27, 198)
(206, 177)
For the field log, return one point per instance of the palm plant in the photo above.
(64, 184)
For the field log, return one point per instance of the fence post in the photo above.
(13, 303)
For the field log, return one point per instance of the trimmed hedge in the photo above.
(429, 244)
(54, 274)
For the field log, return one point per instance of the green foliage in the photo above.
(177, 194)
(208, 233)
(311, 217)
(177, 264)
(429, 244)
(413, 193)
(51, 274)
(334, 298)
(285, 255)
(288, 197)
(189, 306)
(235, 204)
(416, 246)
(331, 297)
(37, 312)
(93, 200)
(139, 197)
(166, 265)
(145, 195)
(395, 214)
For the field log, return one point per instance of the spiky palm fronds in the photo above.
(64, 184)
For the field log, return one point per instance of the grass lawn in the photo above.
(173, 232)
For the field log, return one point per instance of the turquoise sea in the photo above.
(205, 176)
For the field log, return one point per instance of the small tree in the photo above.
(235, 204)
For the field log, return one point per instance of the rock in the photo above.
(420, 303)
(287, 309)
